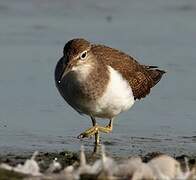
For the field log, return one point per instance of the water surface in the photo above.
(33, 116)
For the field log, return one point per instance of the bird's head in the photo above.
(77, 56)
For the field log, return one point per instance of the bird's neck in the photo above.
(93, 80)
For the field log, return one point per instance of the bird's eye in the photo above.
(83, 55)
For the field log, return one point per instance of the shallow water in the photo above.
(33, 116)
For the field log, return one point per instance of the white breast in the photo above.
(117, 98)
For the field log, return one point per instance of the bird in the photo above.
(102, 82)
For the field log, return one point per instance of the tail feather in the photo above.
(145, 80)
(151, 67)
(156, 75)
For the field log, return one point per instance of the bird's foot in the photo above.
(89, 132)
(95, 130)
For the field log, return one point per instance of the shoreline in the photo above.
(69, 158)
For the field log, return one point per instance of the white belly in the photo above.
(117, 98)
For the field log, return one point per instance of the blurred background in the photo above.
(33, 116)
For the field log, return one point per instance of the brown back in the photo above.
(140, 77)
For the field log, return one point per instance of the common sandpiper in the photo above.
(102, 82)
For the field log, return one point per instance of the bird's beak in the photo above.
(60, 70)
(65, 70)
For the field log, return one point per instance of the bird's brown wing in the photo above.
(140, 77)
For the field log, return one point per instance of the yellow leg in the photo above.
(108, 128)
(94, 131)
(97, 133)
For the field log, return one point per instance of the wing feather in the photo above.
(140, 77)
